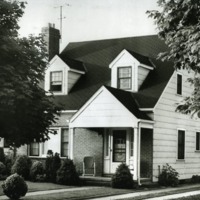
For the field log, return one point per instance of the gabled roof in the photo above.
(128, 100)
(73, 64)
(97, 55)
(142, 59)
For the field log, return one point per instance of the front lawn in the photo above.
(36, 186)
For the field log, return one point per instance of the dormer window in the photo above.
(124, 78)
(56, 81)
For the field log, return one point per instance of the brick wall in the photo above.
(88, 143)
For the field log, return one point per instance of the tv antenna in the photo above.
(62, 17)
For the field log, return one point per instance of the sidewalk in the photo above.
(155, 194)
(161, 193)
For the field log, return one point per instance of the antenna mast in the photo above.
(61, 18)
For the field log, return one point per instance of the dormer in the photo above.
(62, 75)
(129, 70)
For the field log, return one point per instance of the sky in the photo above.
(85, 20)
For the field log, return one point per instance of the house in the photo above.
(119, 105)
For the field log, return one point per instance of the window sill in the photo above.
(197, 151)
(180, 160)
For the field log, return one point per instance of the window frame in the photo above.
(64, 142)
(51, 76)
(30, 151)
(129, 78)
(180, 155)
(179, 86)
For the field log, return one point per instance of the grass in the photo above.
(33, 186)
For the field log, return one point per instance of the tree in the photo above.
(26, 112)
(178, 24)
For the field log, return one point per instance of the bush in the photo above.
(2, 155)
(67, 174)
(168, 177)
(195, 179)
(15, 187)
(9, 161)
(3, 172)
(22, 166)
(36, 171)
(122, 177)
(52, 165)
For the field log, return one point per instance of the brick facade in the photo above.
(88, 142)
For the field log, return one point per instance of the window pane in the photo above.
(34, 149)
(124, 72)
(181, 144)
(64, 142)
(179, 84)
(125, 83)
(198, 141)
(131, 144)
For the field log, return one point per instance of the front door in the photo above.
(118, 149)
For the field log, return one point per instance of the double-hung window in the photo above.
(56, 81)
(179, 84)
(64, 142)
(34, 149)
(124, 78)
(181, 144)
(198, 141)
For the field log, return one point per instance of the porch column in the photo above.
(71, 143)
(135, 154)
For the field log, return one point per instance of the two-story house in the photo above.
(119, 105)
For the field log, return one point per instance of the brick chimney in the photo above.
(52, 38)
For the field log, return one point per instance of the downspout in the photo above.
(138, 156)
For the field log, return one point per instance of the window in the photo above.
(34, 149)
(198, 141)
(56, 81)
(181, 144)
(64, 142)
(131, 143)
(179, 84)
(124, 78)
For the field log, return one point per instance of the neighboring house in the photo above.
(119, 105)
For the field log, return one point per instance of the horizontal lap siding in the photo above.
(167, 121)
(142, 74)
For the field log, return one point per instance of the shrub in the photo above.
(52, 165)
(122, 177)
(195, 179)
(9, 161)
(168, 177)
(67, 174)
(2, 155)
(22, 166)
(3, 172)
(15, 187)
(36, 170)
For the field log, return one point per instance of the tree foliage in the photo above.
(26, 110)
(178, 23)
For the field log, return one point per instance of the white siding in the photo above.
(72, 79)
(104, 110)
(167, 123)
(142, 74)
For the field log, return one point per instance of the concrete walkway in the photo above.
(157, 192)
